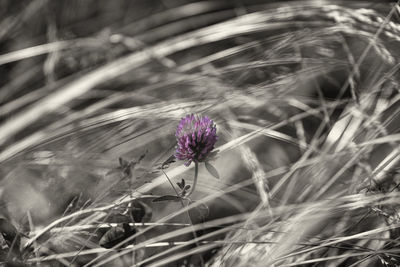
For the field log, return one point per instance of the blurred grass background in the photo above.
(304, 94)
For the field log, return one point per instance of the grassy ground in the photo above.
(305, 95)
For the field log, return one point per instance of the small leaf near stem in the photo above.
(211, 169)
(167, 198)
(181, 184)
(166, 163)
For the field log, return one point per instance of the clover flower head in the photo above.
(196, 136)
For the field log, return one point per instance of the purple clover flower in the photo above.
(196, 136)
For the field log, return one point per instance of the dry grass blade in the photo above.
(306, 105)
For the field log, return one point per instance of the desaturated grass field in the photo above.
(305, 96)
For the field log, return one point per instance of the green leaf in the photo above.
(116, 235)
(213, 155)
(212, 170)
(167, 198)
(199, 213)
(140, 212)
(166, 163)
(123, 162)
(181, 184)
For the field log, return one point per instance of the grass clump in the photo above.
(305, 97)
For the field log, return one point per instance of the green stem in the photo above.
(196, 172)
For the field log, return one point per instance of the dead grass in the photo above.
(306, 101)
